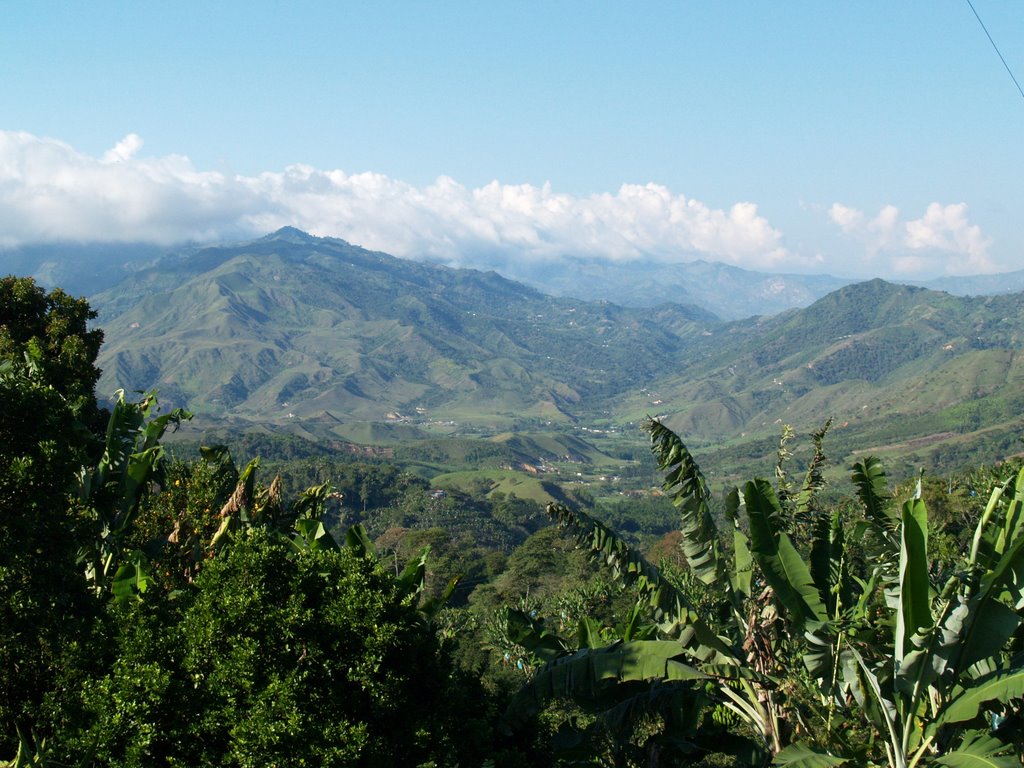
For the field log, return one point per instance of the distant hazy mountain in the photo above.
(977, 285)
(80, 269)
(730, 292)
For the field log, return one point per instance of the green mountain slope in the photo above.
(293, 326)
(318, 336)
(916, 373)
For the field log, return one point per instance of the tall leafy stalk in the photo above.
(113, 490)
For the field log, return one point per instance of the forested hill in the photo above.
(293, 326)
(294, 329)
(902, 370)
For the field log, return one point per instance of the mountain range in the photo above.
(321, 337)
(292, 326)
(729, 292)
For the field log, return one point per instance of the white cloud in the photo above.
(49, 191)
(945, 228)
(848, 219)
(941, 241)
(125, 149)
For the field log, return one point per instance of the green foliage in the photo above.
(46, 410)
(112, 492)
(686, 486)
(50, 332)
(276, 658)
(899, 668)
(44, 604)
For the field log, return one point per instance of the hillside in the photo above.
(319, 337)
(923, 376)
(294, 327)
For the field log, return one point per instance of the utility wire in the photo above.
(996, 47)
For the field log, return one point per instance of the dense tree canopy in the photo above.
(46, 403)
(273, 658)
(51, 331)
(43, 597)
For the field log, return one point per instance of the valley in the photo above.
(294, 334)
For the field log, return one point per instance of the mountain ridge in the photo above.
(317, 324)
(725, 290)
(891, 364)
(316, 334)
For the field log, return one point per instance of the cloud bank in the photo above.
(942, 240)
(50, 192)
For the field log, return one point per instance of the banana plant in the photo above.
(925, 668)
(733, 663)
(952, 688)
(113, 490)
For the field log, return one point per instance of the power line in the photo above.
(996, 47)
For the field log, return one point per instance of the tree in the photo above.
(44, 604)
(277, 656)
(51, 332)
(47, 409)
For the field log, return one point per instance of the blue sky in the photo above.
(853, 138)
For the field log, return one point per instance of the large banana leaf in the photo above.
(878, 707)
(679, 707)
(1013, 516)
(975, 624)
(980, 750)
(933, 647)
(781, 564)
(310, 534)
(803, 756)
(673, 609)
(1006, 572)
(997, 550)
(914, 611)
(686, 486)
(743, 561)
(991, 618)
(357, 540)
(528, 631)
(827, 561)
(1001, 686)
(131, 578)
(869, 478)
(587, 673)
(984, 547)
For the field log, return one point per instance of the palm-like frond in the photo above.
(672, 608)
(685, 485)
